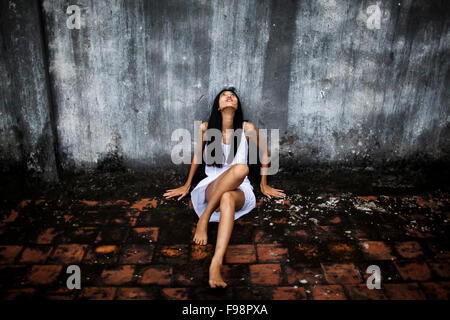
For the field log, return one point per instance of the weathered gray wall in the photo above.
(338, 89)
(26, 133)
(357, 93)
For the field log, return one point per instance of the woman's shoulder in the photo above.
(248, 126)
(204, 126)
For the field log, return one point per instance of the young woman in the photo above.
(226, 193)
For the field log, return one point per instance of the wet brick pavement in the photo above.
(307, 246)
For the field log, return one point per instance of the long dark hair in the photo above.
(215, 122)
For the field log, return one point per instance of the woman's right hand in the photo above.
(184, 190)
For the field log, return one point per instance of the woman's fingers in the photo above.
(271, 194)
(171, 194)
(268, 194)
(183, 195)
(174, 194)
(278, 194)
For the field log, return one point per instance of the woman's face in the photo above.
(228, 99)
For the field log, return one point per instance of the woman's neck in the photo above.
(227, 122)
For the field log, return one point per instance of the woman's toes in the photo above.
(199, 241)
(215, 283)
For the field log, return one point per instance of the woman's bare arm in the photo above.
(253, 133)
(196, 160)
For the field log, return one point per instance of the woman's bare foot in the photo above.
(215, 277)
(201, 232)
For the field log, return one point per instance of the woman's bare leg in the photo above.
(230, 202)
(227, 181)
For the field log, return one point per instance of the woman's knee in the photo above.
(226, 199)
(241, 169)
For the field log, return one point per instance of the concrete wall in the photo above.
(344, 81)
(26, 124)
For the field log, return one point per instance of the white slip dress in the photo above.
(198, 194)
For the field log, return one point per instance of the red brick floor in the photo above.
(300, 248)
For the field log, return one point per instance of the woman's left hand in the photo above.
(271, 192)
